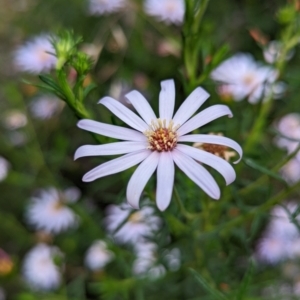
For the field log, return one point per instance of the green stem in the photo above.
(185, 213)
(75, 104)
(190, 47)
(263, 208)
(199, 14)
(263, 178)
(259, 125)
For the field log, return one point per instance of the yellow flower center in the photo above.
(136, 217)
(58, 205)
(6, 266)
(162, 137)
(43, 55)
(218, 150)
(171, 7)
(249, 79)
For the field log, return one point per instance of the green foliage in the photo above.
(111, 55)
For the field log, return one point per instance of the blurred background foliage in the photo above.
(134, 51)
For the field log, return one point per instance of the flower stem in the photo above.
(185, 213)
(263, 208)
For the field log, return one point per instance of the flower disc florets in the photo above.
(162, 137)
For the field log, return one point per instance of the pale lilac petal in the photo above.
(165, 180)
(167, 99)
(123, 113)
(113, 131)
(219, 164)
(213, 139)
(197, 173)
(140, 178)
(116, 165)
(110, 149)
(205, 116)
(141, 105)
(190, 105)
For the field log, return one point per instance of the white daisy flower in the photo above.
(118, 90)
(45, 106)
(98, 256)
(294, 249)
(173, 259)
(39, 269)
(137, 224)
(242, 77)
(291, 170)
(272, 250)
(50, 213)
(289, 126)
(273, 51)
(146, 261)
(281, 225)
(101, 7)
(36, 56)
(4, 168)
(14, 119)
(168, 11)
(157, 143)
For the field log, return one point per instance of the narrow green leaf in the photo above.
(251, 163)
(49, 81)
(296, 212)
(211, 290)
(241, 293)
(47, 88)
(88, 89)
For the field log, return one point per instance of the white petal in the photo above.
(140, 178)
(116, 165)
(123, 113)
(207, 115)
(167, 99)
(213, 139)
(197, 173)
(190, 105)
(165, 180)
(110, 149)
(219, 164)
(113, 131)
(141, 105)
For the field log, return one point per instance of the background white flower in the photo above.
(39, 269)
(98, 255)
(173, 259)
(273, 51)
(36, 56)
(291, 170)
(14, 119)
(281, 224)
(281, 239)
(137, 224)
(101, 7)
(146, 262)
(242, 77)
(4, 168)
(289, 127)
(272, 250)
(155, 143)
(46, 106)
(49, 212)
(168, 11)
